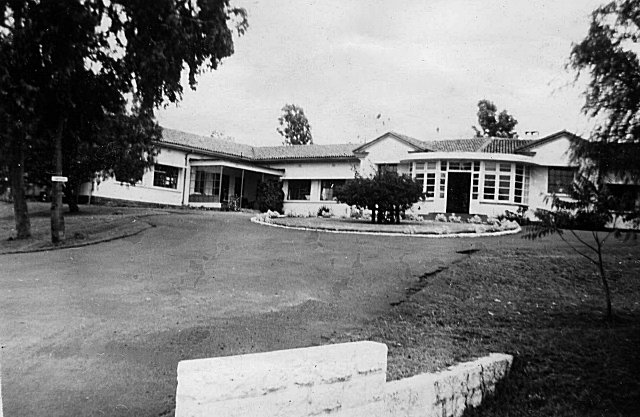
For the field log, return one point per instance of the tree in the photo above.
(608, 56)
(502, 127)
(294, 126)
(386, 194)
(73, 69)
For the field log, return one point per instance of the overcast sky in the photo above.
(422, 65)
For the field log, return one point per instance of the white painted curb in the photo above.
(422, 235)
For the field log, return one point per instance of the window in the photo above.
(504, 187)
(430, 189)
(443, 184)
(299, 190)
(165, 176)
(489, 187)
(560, 180)
(387, 168)
(420, 180)
(521, 188)
(327, 187)
(626, 196)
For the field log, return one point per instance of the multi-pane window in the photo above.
(327, 188)
(521, 188)
(299, 190)
(489, 191)
(205, 186)
(420, 180)
(560, 180)
(443, 184)
(430, 186)
(504, 183)
(165, 176)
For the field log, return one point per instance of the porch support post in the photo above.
(241, 188)
(220, 188)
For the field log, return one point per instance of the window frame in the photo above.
(556, 188)
(334, 183)
(298, 190)
(163, 172)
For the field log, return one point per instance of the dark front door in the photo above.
(458, 192)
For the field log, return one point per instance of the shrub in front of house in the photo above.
(386, 195)
(269, 196)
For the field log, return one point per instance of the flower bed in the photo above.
(406, 227)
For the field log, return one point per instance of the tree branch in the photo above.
(582, 241)
(577, 251)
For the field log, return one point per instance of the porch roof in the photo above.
(237, 165)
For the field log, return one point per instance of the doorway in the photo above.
(458, 192)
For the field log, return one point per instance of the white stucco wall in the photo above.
(317, 170)
(387, 150)
(145, 191)
(554, 153)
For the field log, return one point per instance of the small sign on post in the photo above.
(55, 178)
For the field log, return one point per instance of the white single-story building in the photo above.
(477, 176)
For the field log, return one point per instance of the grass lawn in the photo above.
(544, 307)
(405, 227)
(93, 223)
(99, 330)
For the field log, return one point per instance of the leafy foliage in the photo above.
(386, 194)
(502, 127)
(270, 196)
(294, 126)
(86, 76)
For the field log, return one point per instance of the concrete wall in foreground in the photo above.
(338, 380)
(344, 379)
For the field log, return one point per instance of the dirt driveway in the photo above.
(99, 330)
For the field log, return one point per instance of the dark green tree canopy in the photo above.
(294, 126)
(608, 57)
(74, 73)
(386, 194)
(500, 127)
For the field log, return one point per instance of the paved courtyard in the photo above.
(99, 330)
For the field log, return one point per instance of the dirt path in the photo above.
(99, 330)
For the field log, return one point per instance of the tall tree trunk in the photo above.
(373, 214)
(20, 210)
(603, 278)
(57, 219)
(71, 193)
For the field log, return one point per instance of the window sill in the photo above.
(502, 203)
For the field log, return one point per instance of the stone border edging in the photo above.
(424, 235)
(81, 244)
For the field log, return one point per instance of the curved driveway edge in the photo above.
(88, 242)
(423, 235)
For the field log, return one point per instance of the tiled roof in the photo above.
(497, 145)
(455, 145)
(205, 143)
(340, 151)
(415, 142)
(269, 153)
(258, 153)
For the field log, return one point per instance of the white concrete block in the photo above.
(344, 379)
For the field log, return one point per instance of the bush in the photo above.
(269, 196)
(386, 194)
(518, 217)
(441, 217)
(324, 211)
